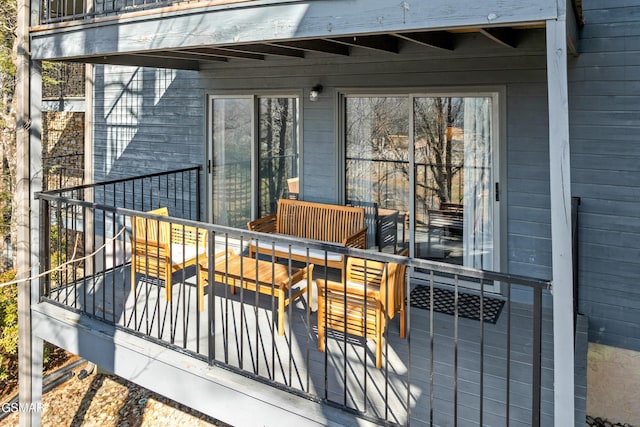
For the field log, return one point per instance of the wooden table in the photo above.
(264, 276)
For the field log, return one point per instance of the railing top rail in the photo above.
(49, 14)
(115, 181)
(246, 235)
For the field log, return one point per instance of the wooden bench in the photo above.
(343, 225)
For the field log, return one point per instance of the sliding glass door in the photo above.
(253, 156)
(231, 152)
(433, 161)
(454, 180)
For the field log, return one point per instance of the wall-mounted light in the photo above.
(315, 92)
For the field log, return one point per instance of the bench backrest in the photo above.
(318, 221)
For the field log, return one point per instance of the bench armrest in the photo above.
(357, 240)
(266, 224)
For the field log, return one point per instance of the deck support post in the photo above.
(28, 180)
(560, 194)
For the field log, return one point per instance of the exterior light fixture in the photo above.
(315, 92)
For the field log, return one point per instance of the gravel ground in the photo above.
(104, 400)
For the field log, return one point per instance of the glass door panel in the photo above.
(231, 160)
(453, 180)
(436, 181)
(278, 152)
(377, 164)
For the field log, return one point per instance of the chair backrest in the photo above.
(388, 277)
(318, 221)
(369, 272)
(151, 230)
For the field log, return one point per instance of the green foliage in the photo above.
(8, 314)
(51, 73)
(8, 17)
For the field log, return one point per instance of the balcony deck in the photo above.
(441, 373)
(448, 370)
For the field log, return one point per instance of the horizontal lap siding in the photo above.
(146, 121)
(605, 147)
(475, 62)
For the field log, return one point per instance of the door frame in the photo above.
(499, 151)
(254, 95)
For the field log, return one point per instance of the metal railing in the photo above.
(76, 222)
(575, 245)
(448, 366)
(68, 10)
(63, 171)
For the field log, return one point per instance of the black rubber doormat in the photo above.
(468, 304)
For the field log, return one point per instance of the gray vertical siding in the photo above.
(605, 144)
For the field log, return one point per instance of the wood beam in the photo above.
(318, 45)
(265, 49)
(140, 61)
(561, 247)
(505, 36)
(573, 22)
(376, 42)
(223, 53)
(182, 55)
(436, 39)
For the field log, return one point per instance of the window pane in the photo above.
(453, 194)
(377, 158)
(278, 168)
(232, 161)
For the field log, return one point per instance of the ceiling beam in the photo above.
(377, 42)
(183, 55)
(436, 39)
(505, 36)
(317, 45)
(208, 51)
(265, 49)
(140, 61)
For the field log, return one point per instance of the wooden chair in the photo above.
(375, 292)
(160, 248)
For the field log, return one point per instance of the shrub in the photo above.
(8, 314)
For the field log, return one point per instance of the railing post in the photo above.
(575, 202)
(211, 314)
(536, 381)
(45, 248)
(198, 189)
